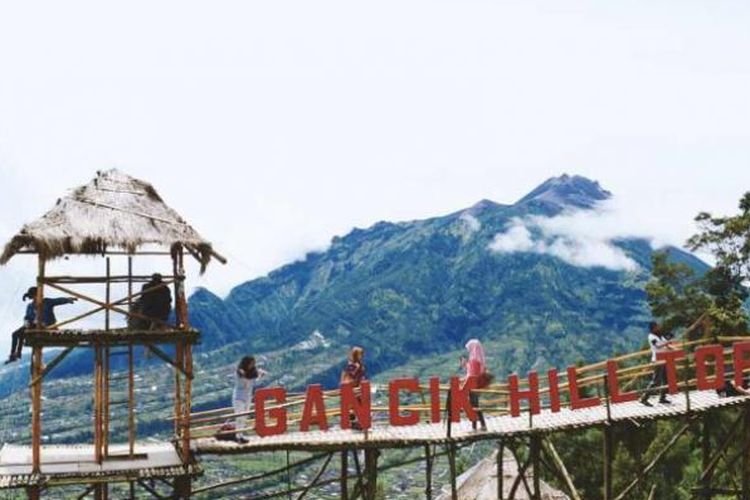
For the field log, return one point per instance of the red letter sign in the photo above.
(460, 399)
(435, 400)
(554, 390)
(669, 358)
(358, 405)
(394, 391)
(576, 401)
(261, 395)
(614, 387)
(314, 411)
(532, 394)
(741, 356)
(704, 382)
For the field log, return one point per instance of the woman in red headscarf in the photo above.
(476, 367)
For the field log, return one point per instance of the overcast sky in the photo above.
(273, 126)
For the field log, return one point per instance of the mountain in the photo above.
(411, 290)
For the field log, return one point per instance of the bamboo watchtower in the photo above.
(113, 217)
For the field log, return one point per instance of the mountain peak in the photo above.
(568, 190)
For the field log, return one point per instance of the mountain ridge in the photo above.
(415, 288)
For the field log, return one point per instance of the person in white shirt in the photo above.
(657, 342)
(245, 378)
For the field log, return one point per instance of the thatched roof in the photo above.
(113, 211)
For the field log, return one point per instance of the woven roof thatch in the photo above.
(113, 211)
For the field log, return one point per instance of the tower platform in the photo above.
(75, 464)
(112, 337)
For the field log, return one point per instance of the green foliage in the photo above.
(677, 296)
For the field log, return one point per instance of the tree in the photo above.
(728, 240)
(675, 294)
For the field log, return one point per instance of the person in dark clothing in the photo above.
(657, 342)
(29, 319)
(156, 301)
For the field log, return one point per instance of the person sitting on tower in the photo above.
(29, 319)
(156, 302)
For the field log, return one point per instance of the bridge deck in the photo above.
(497, 426)
(70, 464)
(114, 337)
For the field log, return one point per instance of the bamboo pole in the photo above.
(705, 481)
(653, 463)
(102, 305)
(499, 466)
(131, 371)
(107, 298)
(428, 472)
(98, 402)
(371, 472)
(608, 458)
(344, 487)
(535, 445)
(563, 470)
(188, 366)
(452, 469)
(36, 410)
(177, 390)
(105, 403)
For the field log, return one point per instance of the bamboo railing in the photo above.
(632, 369)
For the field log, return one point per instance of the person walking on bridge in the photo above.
(657, 342)
(245, 377)
(354, 373)
(476, 369)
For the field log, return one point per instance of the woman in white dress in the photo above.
(245, 378)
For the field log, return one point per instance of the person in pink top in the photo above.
(475, 367)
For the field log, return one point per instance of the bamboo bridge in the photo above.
(528, 435)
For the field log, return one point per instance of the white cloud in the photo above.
(471, 223)
(581, 237)
(517, 238)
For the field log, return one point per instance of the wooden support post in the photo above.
(182, 487)
(288, 477)
(187, 402)
(36, 410)
(36, 370)
(33, 493)
(178, 391)
(607, 458)
(131, 402)
(345, 475)
(180, 303)
(371, 473)
(428, 472)
(101, 491)
(535, 446)
(105, 403)
(563, 470)
(98, 403)
(452, 469)
(675, 437)
(39, 319)
(107, 298)
(705, 481)
(131, 373)
(499, 464)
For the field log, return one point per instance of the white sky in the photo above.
(273, 126)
